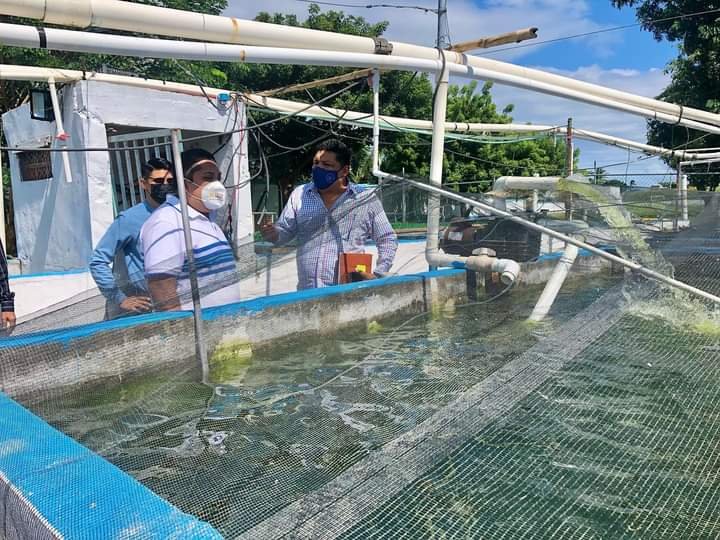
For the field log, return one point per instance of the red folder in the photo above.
(353, 262)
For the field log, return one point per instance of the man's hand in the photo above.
(7, 320)
(356, 276)
(269, 232)
(137, 304)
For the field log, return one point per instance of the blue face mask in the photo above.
(323, 178)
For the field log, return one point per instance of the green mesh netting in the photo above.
(451, 419)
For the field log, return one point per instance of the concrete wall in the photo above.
(49, 361)
(58, 223)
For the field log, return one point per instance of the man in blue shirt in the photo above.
(331, 216)
(117, 262)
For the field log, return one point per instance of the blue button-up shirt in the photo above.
(322, 234)
(119, 247)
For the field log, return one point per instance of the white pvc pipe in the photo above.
(32, 73)
(376, 120)
(508, 269)
(134, 17)
(684, 197)
(126, 45)
(61, 136)
(552, 287)
(437, 155)
(433, 256)
(525, 183)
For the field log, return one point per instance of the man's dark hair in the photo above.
(155, 164)
(342, 152)
(194, 155)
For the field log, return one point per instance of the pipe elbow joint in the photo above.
(508, 269)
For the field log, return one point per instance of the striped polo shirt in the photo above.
(163, 245)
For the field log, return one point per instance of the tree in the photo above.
(402, 94)
(694, 73)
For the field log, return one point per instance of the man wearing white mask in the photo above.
(163, 242)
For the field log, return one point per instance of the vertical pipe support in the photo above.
(200, 347)
(437, 153)
(676, 221)
(552, 287)
(59, 128)
(684, 216)
(569, 166)
(376, 120)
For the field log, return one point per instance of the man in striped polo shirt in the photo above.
(163, 242)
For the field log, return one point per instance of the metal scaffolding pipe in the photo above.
(67, 40)
(200, 345)
(388, 123)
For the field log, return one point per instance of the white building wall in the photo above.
(51, 216)
(58, 223)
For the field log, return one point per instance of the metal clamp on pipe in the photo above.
(382, 46)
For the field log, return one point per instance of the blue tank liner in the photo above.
(67, 335)
(53, 487)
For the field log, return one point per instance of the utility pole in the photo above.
(569, 159)
(443, 29)
(595, 167)
(569, 151)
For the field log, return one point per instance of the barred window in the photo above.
(35, 165)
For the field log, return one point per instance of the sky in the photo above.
(628, 59)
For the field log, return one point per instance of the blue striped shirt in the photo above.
(163, 245)
(322, 234)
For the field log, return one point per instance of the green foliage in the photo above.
(695, 72)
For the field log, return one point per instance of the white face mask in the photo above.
(213, 195)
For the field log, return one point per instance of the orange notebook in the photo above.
(353, 262)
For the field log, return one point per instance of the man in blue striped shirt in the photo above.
(7, 298)
(331, 216)
(163, 242)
